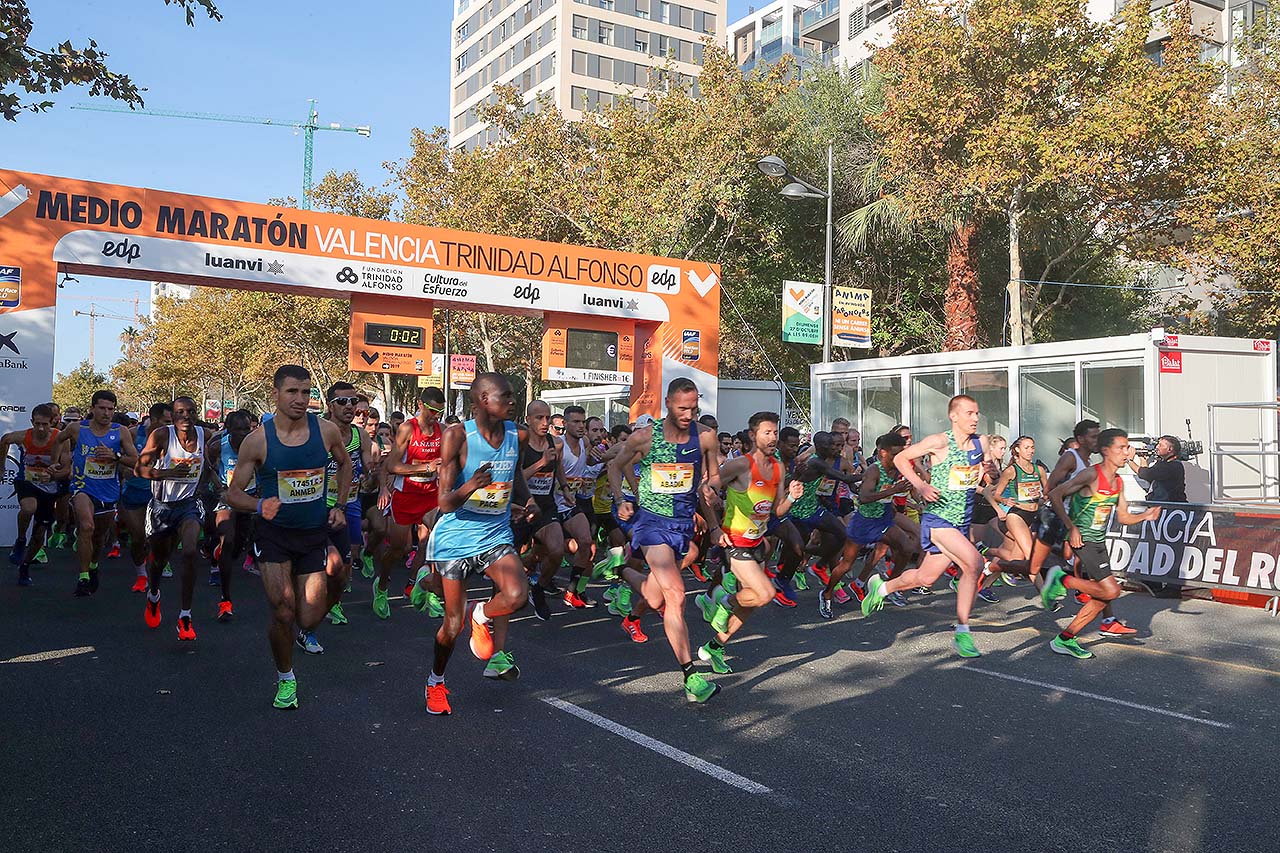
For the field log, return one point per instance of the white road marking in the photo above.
(715, 771)
(52, 654)
(1059, 688)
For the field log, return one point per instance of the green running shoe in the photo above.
(418, 596)
(698, 689)
(435, 606)
(954, 583)
(366, 567)
(720, 619)
(583, 583)
(1070, 647)
(381, 607)
(964, 645)
(874, 599)
(286, 695)
(1053, 587)
(706, 605)
(800, 581)
(621, 604)
(336, 616)
(729, 582)
(611, 593)
(715, 657)
(41, 557)
(502, 665)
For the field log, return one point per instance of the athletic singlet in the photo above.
(177, 489)
(956, 478)
(579, 474)
(98, 480)
(35, 460)
(483, 522)
(829, 488)
(357, 468)
(747, 513)
(602, 499)
(669, 475)
(139, 442)
(543, 481)
(1091, 514)
(227, 459)
(1080, 463)
(422, 448)
(1025, 487)
(877, 509)
(808, 504)
(295, 475)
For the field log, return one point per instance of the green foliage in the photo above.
(76, 387)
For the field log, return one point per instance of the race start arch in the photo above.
(608, 317)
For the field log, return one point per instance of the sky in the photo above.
(384, 64)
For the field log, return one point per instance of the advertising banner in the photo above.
(801, 312)
(436, 378)
(850, 317)
(462, 371)
(1201, 545)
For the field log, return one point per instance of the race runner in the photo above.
(957, 456)
(289, 456)
(755, 491)
(1096, 492)
(232, 527)
(136, 497)
(538, 460)
(813, 512)
(672, 454)
(414, 461)
(480, 467)
(173, 460)
(579, 463)
(98, 452)
(34, 486)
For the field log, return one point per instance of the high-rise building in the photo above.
(169, 289)
(808, 30)
(583, 53)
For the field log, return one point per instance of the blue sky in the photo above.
(384, 63)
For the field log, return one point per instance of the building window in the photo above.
(605, 34)
(666, 13)
(579, 62)
(1047, 406)
(642, 9)
(881, 406)
(579, 27)
(991, 389)
(642, 41)
(931, 395)
(1113, 396)
(607, 5)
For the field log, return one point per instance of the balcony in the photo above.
(815, 17)
(771, 31)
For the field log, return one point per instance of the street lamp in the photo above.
(775, 167)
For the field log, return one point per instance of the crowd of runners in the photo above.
(559, 510)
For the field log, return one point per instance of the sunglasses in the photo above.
(344, 401)
(431, 408)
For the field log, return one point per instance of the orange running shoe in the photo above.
(481, 639)
(224, 611)
(139, 584)
(1116, 628)
(572, 599)
(438, 699)
(697, 572)
(1083, 598)
(186, 631)
(821, 573)
(632, 626)
(152, 614)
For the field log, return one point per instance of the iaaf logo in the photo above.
(128, 252)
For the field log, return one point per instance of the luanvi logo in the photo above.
(125, 250)
(527, 293)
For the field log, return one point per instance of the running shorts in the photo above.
(525, 530)
(869, 531)
(806, 526)
(650, 530)
(929, 523)
(304, 549)
(342, 538)
(99, 507)
(409, 508)
(165, 518)
(983, 512)
(758, 553)
(1031, 517)
(136, 494)
(368, 502)
(45, 501)
(457, 570)
(624, 526)
(1052, 531)
(1095, 562)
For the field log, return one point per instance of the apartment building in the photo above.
(582, 53)
(168, 289)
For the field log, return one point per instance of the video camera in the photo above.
(1146, 446)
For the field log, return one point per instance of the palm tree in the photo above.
(130, 337)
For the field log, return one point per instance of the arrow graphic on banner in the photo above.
(369, 359)
(703, 285)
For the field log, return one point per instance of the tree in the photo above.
(76, 387)
(29, 70)
(1014, 109)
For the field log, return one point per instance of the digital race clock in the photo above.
(387, 334)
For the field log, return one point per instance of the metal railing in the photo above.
(1255, 461)
(818, 14)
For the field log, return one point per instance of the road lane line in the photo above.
(715, 771)
(53, 654)
(1059, 688)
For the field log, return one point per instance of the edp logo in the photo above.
(125, 250)
(664, 279)
(527, 293)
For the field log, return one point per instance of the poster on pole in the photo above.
(850, 317)
(462, 371)
(436, 377)
(801, 312)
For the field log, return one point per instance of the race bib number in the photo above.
(493, 499)
(353, 494)
(580, 485)
(671, 478)
(299, 487)
(964, 477)
(826, 488)
(193, 473)
(1101, 515)
(422, 479)
(1030, 490)
(37, 476)
(95, 470)
(540, 484)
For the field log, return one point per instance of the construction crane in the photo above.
(308, 128)
(135, 302)
(93, 314)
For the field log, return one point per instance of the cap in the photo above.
(644, 421)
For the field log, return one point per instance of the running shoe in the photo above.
(140, 584)
(58, 540)
(167, 572)
(875, 596)
(1071, 648)
(538, 598)
(41, 557)
(897, 599)
(621, 604)
(1008, 579)
(611, 592)
(572, 599)
(1053, 589)
(784, 595)
(801, 581)
(82, 588)
(307, 641)
(923, 590)
(988, 596)
(225, 613)
(381, 607)
(720, 619)
(481, 639)
(19, 548)
(24, 576)
(701, 576)
(502, 665)
(186, 631)
(417, 594)
(964, 644)
(435, 606)
(438, 699)
(859, 589)
(632, 626)
(698, 689)
(715, 657)
(954, 583)
(93, 577)
(408, 561)
(952, 571)
(821, 574)
(1083, 598)
(366, 567)
(706, 605)
(151, 613)
(730, 583)
(1115, 628)
(336, 616)
(114, 552)
(286, 695)
(770, 573)
(824, 607)
(841, 595)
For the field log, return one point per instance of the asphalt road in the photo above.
(865, 735)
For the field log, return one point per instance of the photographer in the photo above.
(1163, 472)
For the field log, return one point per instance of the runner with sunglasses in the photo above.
(414, 462)
(347, 541)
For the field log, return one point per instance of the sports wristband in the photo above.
(259, 510)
